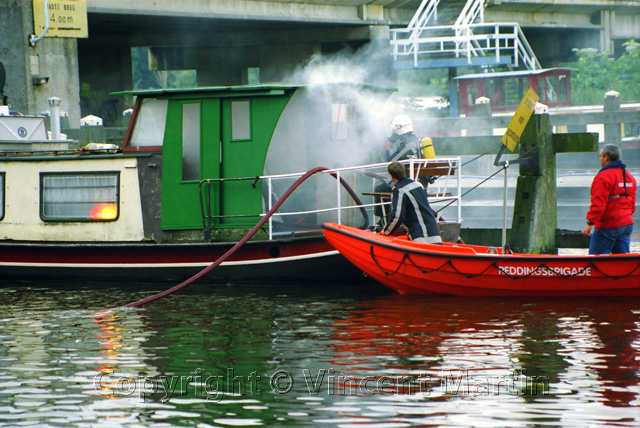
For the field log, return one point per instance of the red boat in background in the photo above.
(473, 270)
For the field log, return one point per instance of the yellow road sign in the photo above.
(67, 18)
(520, 118)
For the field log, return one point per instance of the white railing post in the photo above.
(418, 41)
(338, 204)
(270, 205)
(469, 46)
(459, 191)
(516, 42)
(441, 196)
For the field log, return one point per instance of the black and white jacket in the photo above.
(410, 208)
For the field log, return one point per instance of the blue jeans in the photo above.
(611, 241)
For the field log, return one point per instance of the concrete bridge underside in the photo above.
(222, 39)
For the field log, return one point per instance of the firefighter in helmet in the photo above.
(403, 144)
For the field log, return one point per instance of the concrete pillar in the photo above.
(35, 74)
(535, 215)
(607, 20)
(612, 130)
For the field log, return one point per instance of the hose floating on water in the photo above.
(248, 236)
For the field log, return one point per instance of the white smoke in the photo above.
(339, 119)
(348, 103)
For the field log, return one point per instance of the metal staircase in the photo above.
(467, 42)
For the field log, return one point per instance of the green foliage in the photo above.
(143, 78)
(421, 83)
(597, 73)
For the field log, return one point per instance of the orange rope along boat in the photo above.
(474, 270)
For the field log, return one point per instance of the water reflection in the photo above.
(330, 356)
(539, 351)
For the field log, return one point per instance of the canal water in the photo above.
(331, 356)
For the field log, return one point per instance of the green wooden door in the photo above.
(212, 138)
(191, 151)
(243, 152)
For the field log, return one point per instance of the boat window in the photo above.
(495, 91)
(541, 89)
(515, 90)
(150, 123)
(472, 94)
(2, 198)
(240, 120)
(191, 141)
(339, 122)
(552, 95)
(563, 93)
(79, 196)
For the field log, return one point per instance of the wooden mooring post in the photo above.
(534, 223)
(535, 217)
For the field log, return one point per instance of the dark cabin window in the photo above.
(191, 141)
(563, 93)
(496, 91)
(541, 89)
(472, 94)
(515, 90)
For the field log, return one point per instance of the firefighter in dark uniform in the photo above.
(410, 208)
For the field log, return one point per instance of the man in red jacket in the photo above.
(613, 202)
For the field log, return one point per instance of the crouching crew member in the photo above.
(410, 208)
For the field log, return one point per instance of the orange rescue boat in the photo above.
(474, 270)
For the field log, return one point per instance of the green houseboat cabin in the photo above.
(209, 146)
(191, 160)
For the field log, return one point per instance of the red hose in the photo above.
(240, 243)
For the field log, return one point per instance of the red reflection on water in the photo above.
(618, 330)
(393, 332)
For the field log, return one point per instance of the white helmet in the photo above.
(401, 124)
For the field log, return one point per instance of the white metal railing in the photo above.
(362, 179)
(471, 11)
(491, 39)
(441, 192)
(427, 10)
(462, 27)
(420, 20)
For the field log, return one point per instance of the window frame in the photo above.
(44, 218)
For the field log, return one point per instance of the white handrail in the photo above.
(497, 39)
(427, 9)
(442, 188)
(470, 12)
(452, 163)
